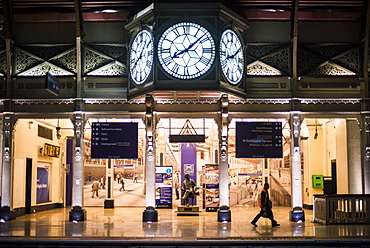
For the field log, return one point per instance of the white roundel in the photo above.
(141, 57)
(186, 50)
(231, 57)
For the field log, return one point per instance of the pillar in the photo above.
(297, 213)
(77, 212)
(366, 151)
(6, 178)
(150, 214)
(109, 201)
(224, 213)
(354, 157)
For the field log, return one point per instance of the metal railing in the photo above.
(342, 209)
(278, 193)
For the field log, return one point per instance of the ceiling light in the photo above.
(109, 11)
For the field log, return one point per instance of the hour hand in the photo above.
(176, 54)
(233, 56)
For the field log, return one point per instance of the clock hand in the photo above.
(140, 56)
(232, 56)
(176, 54)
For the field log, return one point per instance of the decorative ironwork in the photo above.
(114, 68)
(307, 60)
(279, 60)
(259, 50)
(47, 51)
(42, 102)
(113, 101)
(117, 52)
(331, 70)
(350, 60)
(24, 61)
(327, 51)
(45, 67)
(94, 60)
(260, 101)
(259, 68)
(330, 101)
(66, 60)
(3, 63)
(311, 57)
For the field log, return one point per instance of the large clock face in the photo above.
(231, 57)
(141, 57)
(186, 50)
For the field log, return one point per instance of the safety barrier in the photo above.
(342, 209)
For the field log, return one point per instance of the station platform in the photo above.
(123, 227)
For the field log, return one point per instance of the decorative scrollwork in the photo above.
(259, 51)
(67, 60)
(259, 69)
(307, 60)
(3, 63)
(330, 101)
(279, 60)
(47, 51)
(331, 70)
(43, 68)
(94, 60)
(116, 52)
(327, 51)
(24, 61)
(113, 69)
(350, 60)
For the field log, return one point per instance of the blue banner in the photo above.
(42, 188)
(189, 165)
(259, 140)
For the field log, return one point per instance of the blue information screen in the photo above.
(114, 140)
(259, 140)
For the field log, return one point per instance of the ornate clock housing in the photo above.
(141, 57)
(186, 50)
(231, 57)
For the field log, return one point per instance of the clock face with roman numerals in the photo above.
(231, 57)
(186, 50)
(141, 57)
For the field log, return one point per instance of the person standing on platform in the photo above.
(265, 205)
(95, 188)
(123, 184)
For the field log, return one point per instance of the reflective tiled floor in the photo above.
(125, 223)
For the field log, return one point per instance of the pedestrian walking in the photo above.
(265, 204)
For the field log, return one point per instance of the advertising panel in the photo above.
(259, 140)
(42, 187)
(211, 187)
(163, 185)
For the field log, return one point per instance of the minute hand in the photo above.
(176, 55)
(232, 56)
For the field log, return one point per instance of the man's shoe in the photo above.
(276, 224)
(254, 224)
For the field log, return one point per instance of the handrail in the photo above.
(342, 208)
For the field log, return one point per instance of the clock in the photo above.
(186, 50)
(141, 57)
(231, 57)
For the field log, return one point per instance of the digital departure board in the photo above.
(259, 140)
(114, 140)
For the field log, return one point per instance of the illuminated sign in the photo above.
(51, 150)
(259, 140)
